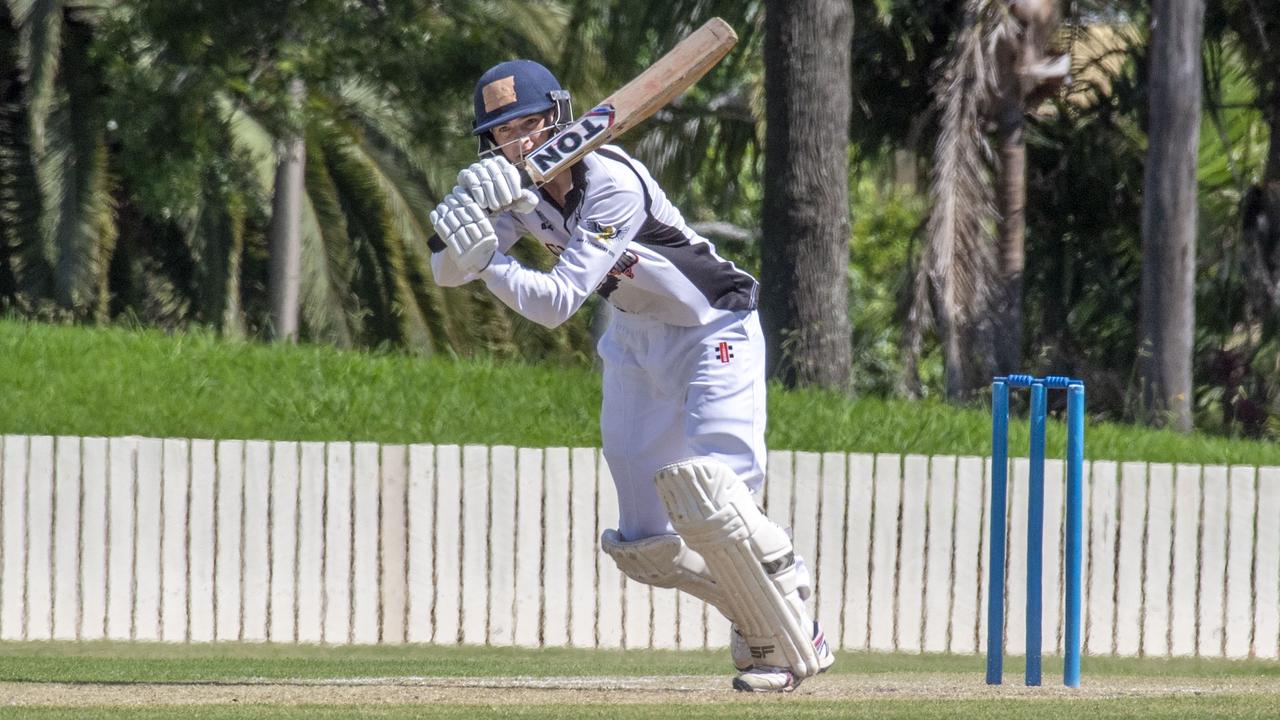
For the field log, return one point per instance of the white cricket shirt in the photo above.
(617, 235)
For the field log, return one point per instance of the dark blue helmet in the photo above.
(514, 89)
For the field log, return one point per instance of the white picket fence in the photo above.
(196, 540)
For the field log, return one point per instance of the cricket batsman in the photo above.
(683, 414)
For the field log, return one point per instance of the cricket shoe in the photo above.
(755, 676)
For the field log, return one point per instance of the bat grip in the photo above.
(526, 180)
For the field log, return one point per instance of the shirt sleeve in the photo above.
(446, 271)
(612, 214)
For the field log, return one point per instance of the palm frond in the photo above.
(233, 322)
(711, 133)
(380, 220)
(40, 24)
(407, 202)
(83, 213)
(217, 226)
(388, 127)
(715, 139)
(404, 175)
(251, 137)
(215, 231)
(100, 209)
(515, 28)
(958, 254)
(25, 274)
(329, 304)
(613, 41)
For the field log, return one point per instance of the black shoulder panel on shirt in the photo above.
(724, 286)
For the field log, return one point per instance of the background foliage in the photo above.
(138, 142)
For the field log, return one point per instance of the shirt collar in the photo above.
(573, 198)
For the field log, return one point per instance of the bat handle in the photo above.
(525, 179)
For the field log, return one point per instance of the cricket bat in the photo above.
(634, 102)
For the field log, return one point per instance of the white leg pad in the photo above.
(663, 561)
(749, 556)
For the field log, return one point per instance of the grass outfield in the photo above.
(115, 680)
(1199, 708)
(110, 381)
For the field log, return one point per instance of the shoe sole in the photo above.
(742, 686)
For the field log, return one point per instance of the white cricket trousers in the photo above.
(673, 392)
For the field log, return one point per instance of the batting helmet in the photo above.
(514, 89)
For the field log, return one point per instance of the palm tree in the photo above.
(1256, 30)
(20, 277)
(1169, 213)
(59, 228)
(713, 133)
(805, 240)
(286, 220)
(1026, 75)
(138, 158)
(969, 281)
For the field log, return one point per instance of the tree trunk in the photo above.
(1011, 197)
(286, 229)
(232, 323)
(1169, 213)
(805, 223)
(1028, 74)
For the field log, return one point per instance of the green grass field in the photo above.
(110, 381)
(116, 680)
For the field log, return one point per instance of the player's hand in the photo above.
(495, 185)
(465, 229)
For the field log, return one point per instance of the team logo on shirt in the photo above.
(602, 236)
(725, 352)
(605, 232)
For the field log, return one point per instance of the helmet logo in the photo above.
(499, 92)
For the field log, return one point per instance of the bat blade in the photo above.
(634, 102)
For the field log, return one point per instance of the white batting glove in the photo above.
(465, 229)
(495, 185)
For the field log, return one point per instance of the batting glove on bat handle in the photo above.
(497, 185)
(464, 230)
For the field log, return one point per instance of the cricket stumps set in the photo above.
(1039, 388)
